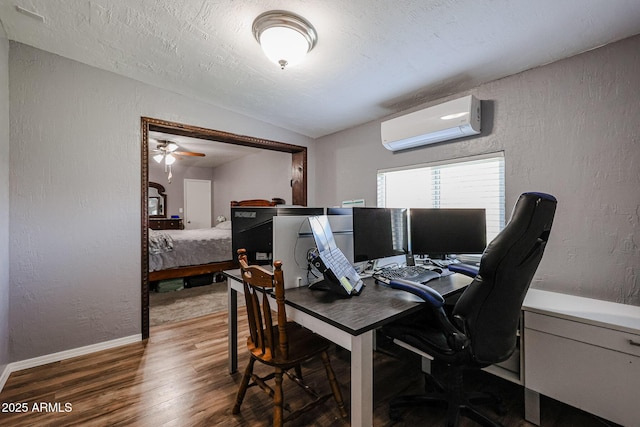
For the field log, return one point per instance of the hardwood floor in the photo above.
(179, 378)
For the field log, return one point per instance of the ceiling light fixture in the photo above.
(169, 159)
(284, 36)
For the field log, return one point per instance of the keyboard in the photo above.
(414, 273)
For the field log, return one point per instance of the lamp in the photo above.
(284, 37)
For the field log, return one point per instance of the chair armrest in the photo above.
(456, 339)
(425, 292)
(466, 269)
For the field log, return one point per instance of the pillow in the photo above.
(225, 225)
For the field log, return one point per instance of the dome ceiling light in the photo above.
(284, 37)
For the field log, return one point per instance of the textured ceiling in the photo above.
(373, 57)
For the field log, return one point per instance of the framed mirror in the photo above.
(157, 201)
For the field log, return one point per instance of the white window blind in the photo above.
(476, 182)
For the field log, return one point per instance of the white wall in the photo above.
(75, 196)
(4, 204)
(571, 129)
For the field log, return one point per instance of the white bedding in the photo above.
(190, 247)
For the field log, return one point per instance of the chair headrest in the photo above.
(542, 196)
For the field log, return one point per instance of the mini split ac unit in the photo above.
(450, 120)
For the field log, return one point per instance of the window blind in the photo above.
(476, 182)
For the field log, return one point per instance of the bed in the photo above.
(185, 253)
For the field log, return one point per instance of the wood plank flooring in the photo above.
(179, 378)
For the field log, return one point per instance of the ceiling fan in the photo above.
(167, 151)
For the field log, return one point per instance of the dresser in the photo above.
(582, 352)
(166, 223)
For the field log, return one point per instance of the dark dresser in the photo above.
(166, 223)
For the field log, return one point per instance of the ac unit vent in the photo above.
(442, 122)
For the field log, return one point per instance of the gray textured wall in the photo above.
(263, 175)
(175, 189)
(572, 129)
(75, 197)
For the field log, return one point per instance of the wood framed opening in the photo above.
(298, 181)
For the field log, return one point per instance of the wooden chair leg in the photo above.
(244, 384)
(335, 387)
(278, 400)
(298, 369)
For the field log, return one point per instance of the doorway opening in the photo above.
(298, 181)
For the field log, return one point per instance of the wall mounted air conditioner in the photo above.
(442, 122)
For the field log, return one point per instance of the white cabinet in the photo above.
(582, 352)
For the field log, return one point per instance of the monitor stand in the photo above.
(322, 285)
(334, 288)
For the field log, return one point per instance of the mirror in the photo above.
(157, 201)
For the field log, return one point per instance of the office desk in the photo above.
(350, 323)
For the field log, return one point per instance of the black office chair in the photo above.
(482, 327)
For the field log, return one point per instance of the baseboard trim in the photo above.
(63, 355)
(4, 376)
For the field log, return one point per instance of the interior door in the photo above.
(197, 203)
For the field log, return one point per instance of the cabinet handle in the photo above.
(632, 342)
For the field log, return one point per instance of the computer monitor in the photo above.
(441, 232)
(379, 233)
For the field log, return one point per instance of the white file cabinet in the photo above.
(582, 352)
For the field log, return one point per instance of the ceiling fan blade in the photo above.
(188, 153)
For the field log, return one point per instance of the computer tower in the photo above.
(252, 229)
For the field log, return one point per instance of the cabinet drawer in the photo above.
(595, 379)
(616, 340)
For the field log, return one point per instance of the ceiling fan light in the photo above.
(284, 37)
(172, 146)
(158, 157)
(170, 159)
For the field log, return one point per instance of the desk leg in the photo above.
(232, 304)
(532, 406)
(362, 379)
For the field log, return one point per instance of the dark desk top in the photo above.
(376, 306)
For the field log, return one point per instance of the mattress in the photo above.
(182, 248)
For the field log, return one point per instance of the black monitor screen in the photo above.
(379, 233)
(439, 232)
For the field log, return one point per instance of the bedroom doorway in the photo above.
(298, 181)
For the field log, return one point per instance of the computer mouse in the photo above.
(437, 270)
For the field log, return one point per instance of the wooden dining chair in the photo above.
(282, 345)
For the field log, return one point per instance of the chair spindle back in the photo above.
(259, 286)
